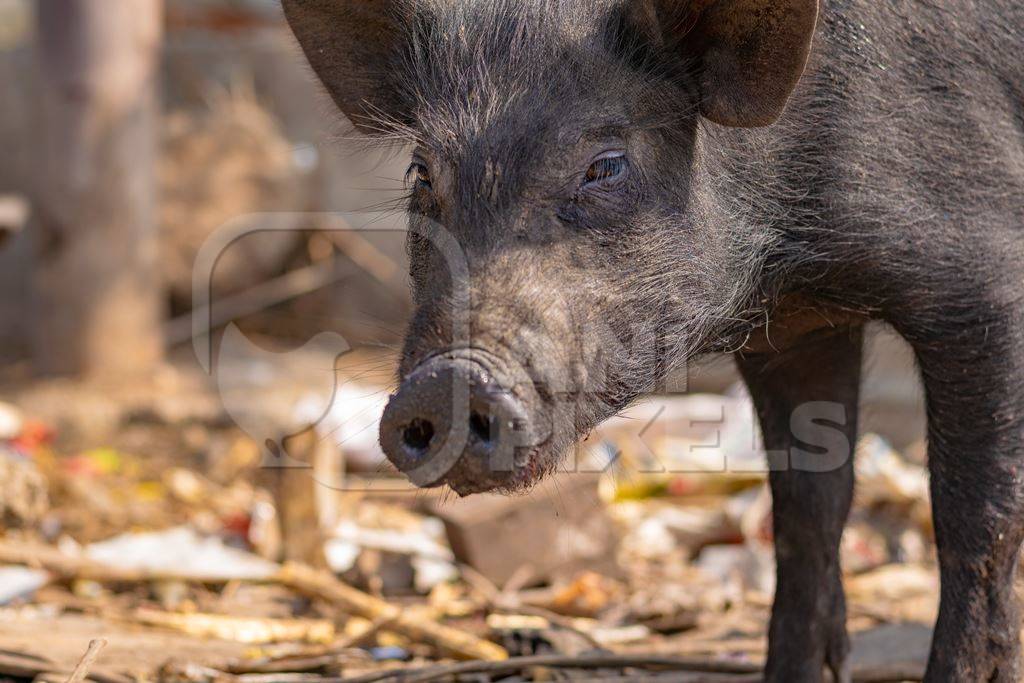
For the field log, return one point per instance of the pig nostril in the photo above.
(418, 434)
(481, 426)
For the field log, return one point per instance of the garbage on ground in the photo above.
(172, 534)
(740, 567)
(893, 582)
(11, 422)
(180, 552)
(420, 539)
(885, 477)
(556, 529)
(683, 446)
(20, 583)
(23, 490)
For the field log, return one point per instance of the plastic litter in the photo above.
(20, 583)
(11, 421)
(432, 560)
(181, 551)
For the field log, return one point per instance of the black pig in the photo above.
(602, 189)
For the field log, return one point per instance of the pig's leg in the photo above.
(812, 486)
(976, 458)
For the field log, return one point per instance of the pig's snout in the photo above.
(452, 422)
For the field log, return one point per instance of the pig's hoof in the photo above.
(837, 656)
(824, 660)
(841, 672)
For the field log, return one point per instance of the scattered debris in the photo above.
(239, 629)
(420, 540)
(885, 477)
(20, 583)
(450, 640)
(23, 493)
(560, 527)
(182, 553)
(11, 422)
(23, 488)
(594, 574)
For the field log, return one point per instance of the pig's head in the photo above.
(569, 240)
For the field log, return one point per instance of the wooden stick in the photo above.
(501, 601)
(295, 490)
(88, 659)
(324, 585)
(300, 577)
(253, 630)
(56, 562)
(259, 297)
(362, 252)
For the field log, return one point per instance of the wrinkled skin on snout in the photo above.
(566, 247)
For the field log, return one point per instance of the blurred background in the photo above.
(148, 497)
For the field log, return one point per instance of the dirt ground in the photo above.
(150, 518)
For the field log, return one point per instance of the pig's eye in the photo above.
(418, 174)
(608, 167)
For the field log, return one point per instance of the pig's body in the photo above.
(891, 188)
(902, 151)
(901, 166)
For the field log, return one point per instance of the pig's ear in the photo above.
(751, 53)
(353, 46)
